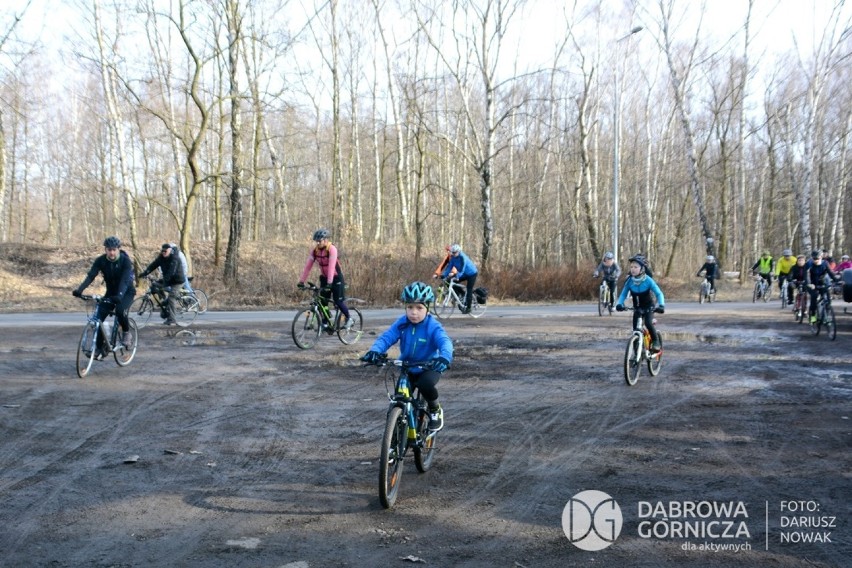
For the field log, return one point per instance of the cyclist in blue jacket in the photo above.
(466, 271)
(421, 337)
(640, 286)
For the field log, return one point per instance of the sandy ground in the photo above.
(252, 452)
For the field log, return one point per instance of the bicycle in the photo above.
(186, 304)
(824, 314)
(88, 350)
(801, 303)
(785, 290)
(762, 289)
(606, 300)
(406, 428)
(706, 293)
(639, 349)
(310, 322)
(448, 298)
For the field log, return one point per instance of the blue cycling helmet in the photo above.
(418, 293)
(455, 248)
(112, 243)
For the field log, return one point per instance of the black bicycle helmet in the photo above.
(418, 293)
(815, 254)
(112, 242)
(321, 234)
(640, 260)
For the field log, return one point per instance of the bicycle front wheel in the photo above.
(444, 303)
(390, 460)
(655, 362)
(354, 332)
(830, 323)
(123, 354)
(86, 349)
(767, 293)
(756, 294)
(306, 328)
(601, 302)
(816, 325)
(424, 451)
(632, 358)
(140, 311)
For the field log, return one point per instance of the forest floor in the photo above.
(236, 448)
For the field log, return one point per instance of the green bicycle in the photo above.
(310, 322)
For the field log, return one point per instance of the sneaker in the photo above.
(813, 319)
(127, 340)
(349, 323)
(170, 321)
(436, 419)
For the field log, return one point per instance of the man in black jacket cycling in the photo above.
(173, 275)
(117, 270)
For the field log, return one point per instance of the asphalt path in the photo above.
(214, 317)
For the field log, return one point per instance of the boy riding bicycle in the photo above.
(640, 286)
(421, 337)
(610, 271)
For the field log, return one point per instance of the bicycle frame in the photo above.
(310, 322)
(447, 299)
(605, 300)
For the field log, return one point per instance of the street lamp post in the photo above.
(616, 160)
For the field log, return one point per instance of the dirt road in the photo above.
(254, 453)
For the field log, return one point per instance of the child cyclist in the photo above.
(610, 272)
(640, 286)
(421, 337)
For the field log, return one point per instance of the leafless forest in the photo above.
(420, 122)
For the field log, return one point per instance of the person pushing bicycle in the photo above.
(171, 267)
(641, 286)
(610, 271)
(421, 337)
(711, 271)
(117, 269)
(466, 271)
(331, 276)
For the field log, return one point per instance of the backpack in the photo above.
(481, 295)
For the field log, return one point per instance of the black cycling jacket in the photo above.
(118, 274)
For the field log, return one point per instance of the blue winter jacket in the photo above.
(462, 264)
(642, 293)
(417, 342)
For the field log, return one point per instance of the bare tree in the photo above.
(233, 18)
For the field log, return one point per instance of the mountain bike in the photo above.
(706, 293)
(762, 289)
(310, 322)
(824, 314)
(450, 295)
(88, 350)
(639, 349)
(785, 290)
(186, 304)
(406, 428)
(800, 303)
(606, 300)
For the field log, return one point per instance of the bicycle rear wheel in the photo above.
(186, 310)
(306, 328)
(124, 355)
(424, 453)
(201, 296)
(353, 334)
(86, 349)
(632, 357)
(390, 459)
(140, 311)
(656, 360)
(477, 310)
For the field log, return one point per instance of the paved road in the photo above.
(557, 310)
